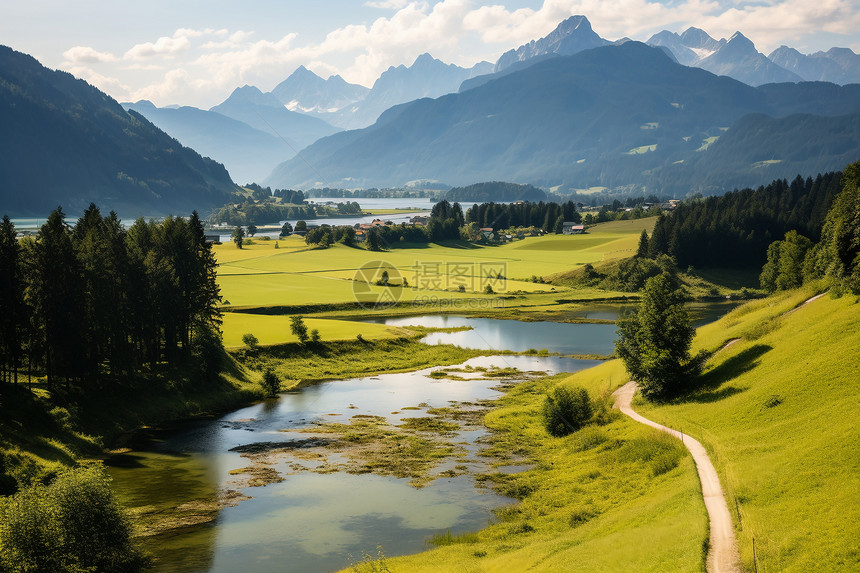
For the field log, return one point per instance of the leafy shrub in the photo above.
(270, 382)
(250, 341)
(566, 409)
(72, 525)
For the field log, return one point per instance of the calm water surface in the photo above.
(312, 522)
(323, 522)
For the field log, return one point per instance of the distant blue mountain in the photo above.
(570, 37)
(837, 65)
(266, 113)
(248, 154)
(67, 143)
(305, 91)
(617, 116)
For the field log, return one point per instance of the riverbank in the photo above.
(42, 431)
(612, 497)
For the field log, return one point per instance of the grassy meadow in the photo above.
(327, 283)
(260, 275)
(778, 413)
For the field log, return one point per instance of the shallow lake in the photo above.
(312, 522)
(563, 338)
(495, 334)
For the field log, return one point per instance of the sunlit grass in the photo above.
(294, 274)
(275, 329)
(595, 504)
(778, 413)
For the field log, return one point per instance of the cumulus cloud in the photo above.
(457, 31)
(175, 84)
(234, 40)
(786, 22)
(87, 55)
(113, 86)
(163, 47)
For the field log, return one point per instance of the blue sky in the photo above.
(194, 52)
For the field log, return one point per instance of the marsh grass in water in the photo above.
(298, 364)
(578, 494)
(369, 444)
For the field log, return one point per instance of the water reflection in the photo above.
(312, 522)
(494, 334)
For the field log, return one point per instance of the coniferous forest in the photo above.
(735, 229)
(93, 300)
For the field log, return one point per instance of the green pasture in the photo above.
(707, 142)
(642, 149)
(294, 274)
(275, 329)
(778, 413)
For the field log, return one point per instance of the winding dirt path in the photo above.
(723, 556)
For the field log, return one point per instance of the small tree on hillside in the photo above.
(642, 251)
(250, 341)
(287, 229)
(566, 409)
(252, 229)
(270, 383)
(299, 328)
(655, 342)
(301, 226)
(238, 236)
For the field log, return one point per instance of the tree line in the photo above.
(735, 229)
(833, 254)
(548, 216)
(90, 300)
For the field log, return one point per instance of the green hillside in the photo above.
(779, 417)
(67, 143)
(778, 414)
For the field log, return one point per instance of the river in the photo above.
(318, 522)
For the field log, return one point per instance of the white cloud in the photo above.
(163, 47)
(112, 86)
(787, 22)
(210, 62)
(175, 84)
(235, 40)
(87, 55)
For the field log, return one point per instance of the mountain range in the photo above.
(247, 153)
(276, 132)
(426, 77)
(67, 143)
(570, 111)
(616, 116)
(297, 112)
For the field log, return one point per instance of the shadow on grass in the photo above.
(711, 384)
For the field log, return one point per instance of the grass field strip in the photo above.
(723, 556)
